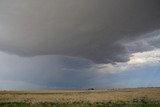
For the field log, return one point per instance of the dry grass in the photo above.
(125, 95)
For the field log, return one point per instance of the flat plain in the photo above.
(133, 97)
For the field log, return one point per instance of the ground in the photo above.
(147, 97)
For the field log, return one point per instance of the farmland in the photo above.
(137, 97)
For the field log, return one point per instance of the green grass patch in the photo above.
(80, 104)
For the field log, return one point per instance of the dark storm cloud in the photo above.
(83, 28)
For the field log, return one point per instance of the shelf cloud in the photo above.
(89, 29)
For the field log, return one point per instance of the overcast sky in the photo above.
(78, 44)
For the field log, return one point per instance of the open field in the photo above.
(146, 97)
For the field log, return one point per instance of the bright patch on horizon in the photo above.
(145, 57)
(136, 60)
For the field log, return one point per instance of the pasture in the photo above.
(137, 97)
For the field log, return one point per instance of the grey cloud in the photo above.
(147, 42)
(84, 28)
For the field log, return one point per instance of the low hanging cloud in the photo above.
(88, 29)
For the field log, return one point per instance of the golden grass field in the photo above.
(88, 96)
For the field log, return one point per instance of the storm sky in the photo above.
(78, 44)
